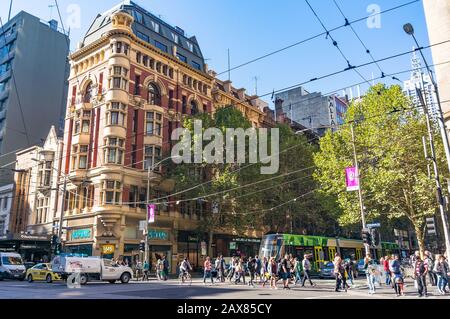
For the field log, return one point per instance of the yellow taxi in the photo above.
(42, 272)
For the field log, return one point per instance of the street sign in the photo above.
(142, 225)
(431, 226)
(374, 225)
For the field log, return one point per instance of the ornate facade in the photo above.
(132, 82)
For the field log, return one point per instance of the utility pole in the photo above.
(361, 203)
(146, 254)
(440, 197)
(61, 216)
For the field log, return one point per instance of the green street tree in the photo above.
(244, 196)
(393, 169)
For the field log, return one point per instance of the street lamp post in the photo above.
(409, 29)
(361, 203)
(149, 170)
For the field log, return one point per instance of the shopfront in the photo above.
(193, 246)
(236, 246)
(80, 241)
(159, 245)
(33, 248)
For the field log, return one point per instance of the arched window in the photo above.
(194, 108)
(154, 96)
(88, 93)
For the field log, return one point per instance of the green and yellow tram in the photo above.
(323, 249)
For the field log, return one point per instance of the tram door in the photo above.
(358, 254)
(318, 257)
(331, 253)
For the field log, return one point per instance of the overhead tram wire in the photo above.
(331, 30)
(358, 37)
(317, 36)
(336, 44)
(397, 73)
(17, 91)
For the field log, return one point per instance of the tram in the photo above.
(322, 249)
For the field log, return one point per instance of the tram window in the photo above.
(325, 253)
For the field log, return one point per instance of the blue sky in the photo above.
(251, 28)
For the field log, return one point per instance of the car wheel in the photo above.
(22, 278)
(112, 281)
(83, 279)
(125, 278)
(30, 278)
(49, 279)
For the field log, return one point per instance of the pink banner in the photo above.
(352, 180)
(151, 213)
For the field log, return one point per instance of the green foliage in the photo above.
(393, 169)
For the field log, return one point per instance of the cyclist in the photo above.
(185, 267)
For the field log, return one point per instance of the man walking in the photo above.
(370, 273)
(306, 270)
(420, 272)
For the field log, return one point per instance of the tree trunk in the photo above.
(420, 238)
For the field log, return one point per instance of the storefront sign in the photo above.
(158, 234)
(247, 240)
(108, 249)
(151, 213)
(352, 179)
(233, 245)
(204, 250)
(79, 234)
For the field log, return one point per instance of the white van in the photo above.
(91, 268)
(11, 266)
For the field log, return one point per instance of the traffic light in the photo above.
(431, 226)
(54, 240)
(366, 237)
(142, 246)
(57, 248)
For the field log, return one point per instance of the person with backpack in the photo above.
(420, 272)
(397, 276)
(306, 264)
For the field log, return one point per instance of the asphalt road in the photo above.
(154, 289)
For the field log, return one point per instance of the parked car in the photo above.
(91, 268)
(360, 266)
(42, 272)
(327, 270)
(11, 266)
(29, 265)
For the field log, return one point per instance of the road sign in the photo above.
(142, 224)
(431, 226)
(374, 225)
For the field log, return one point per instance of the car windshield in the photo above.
(330, 264)
(11, 260)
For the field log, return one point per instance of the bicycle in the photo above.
(185, 278)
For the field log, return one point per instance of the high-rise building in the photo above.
(420, 79)
(33, 84)
(311, 110)
(437, 13)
